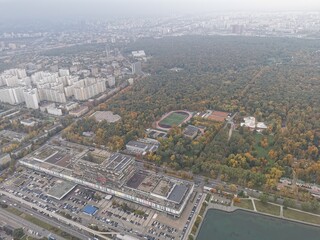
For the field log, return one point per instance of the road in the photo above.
(8, 218)
(195, 215)
(50, 221)
(59, 217)
(232, 127)
(200, 180)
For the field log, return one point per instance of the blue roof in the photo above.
(90, 210)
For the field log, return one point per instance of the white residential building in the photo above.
(32, 99)
(64, 72)
(52, 95)
(139, 54)
(12, 95)
(18, 94)
(136, 68)
(7, 96)
(89, 88)
(111, 81)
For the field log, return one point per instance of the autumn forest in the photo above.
(276, 81)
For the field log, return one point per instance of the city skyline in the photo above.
(98, 9)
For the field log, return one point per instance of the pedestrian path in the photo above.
(281, 211)
(253, 204)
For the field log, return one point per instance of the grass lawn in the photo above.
(173, 119)
(267, 208)
(14, 211)
(262, 152)
(26, 237)
(305, 217)
(244, 203)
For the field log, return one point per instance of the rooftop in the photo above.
(106, 116)
(137, 144)
(13, 135)
(191, 131)
(115, 175)
(178, 193)
(142, 145)
(60, 189)
(118, 161)
(90, 210)
(29, 120)
(80, 109)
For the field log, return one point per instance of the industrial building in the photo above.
(142, 146)
(112, 173)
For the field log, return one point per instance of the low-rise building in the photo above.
(191, 131)
(142, 147)
(250, 122)
(13, 136)
(55, 111)
(105, 116)
(28, 122)
(4, 159)
(79, 111)
(46, 105)
(71, 105)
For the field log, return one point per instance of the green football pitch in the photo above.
(173, 119)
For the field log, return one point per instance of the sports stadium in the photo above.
(173, 118)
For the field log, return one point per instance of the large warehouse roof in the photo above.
(178, 193)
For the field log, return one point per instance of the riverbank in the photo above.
(268, 209)
(250, 225)
(290, 214)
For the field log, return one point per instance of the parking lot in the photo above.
(112, 213)
(220, 199)
(160, 230)
(191, 214)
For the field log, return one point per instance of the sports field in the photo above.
(174, 119)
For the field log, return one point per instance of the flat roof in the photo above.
(79, 109)
(136, 180)
(61, 188)
(116, 176)
(118, 161)
(29, 120)
(45, 153)
(106, 115)
(190, 130)
(12, 135)
(178, 193)
(137, 144)
(90, 210)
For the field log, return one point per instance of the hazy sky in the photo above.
(38, 9)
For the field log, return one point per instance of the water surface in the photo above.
(243, 225)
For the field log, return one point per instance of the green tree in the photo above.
(18, 233)
(264, 198)
(289, 203)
